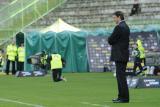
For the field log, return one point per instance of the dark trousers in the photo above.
(123, 92)
(135, 73)
(20, 66)
(144, 61)
(8, 66)
(137, 64)
(56, 75)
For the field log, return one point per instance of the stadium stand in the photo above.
(97, 14)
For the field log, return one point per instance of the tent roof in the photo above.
(60, 26)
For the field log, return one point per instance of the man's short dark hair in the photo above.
(119, 14)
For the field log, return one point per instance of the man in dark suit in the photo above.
(119, 40)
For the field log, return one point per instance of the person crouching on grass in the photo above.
(57, 63)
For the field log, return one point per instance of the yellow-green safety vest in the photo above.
(1, 60)
(141, 49)
(11, 52)
(43, 59)
(21, 54)
(9, 49)
(56, 62)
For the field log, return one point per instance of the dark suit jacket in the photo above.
(119, 40)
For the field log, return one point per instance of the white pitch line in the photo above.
(130, 101)
(94, 104)
(19, 102)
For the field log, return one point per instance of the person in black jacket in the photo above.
(136, 9)
(119, 40)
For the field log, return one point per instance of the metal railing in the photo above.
(21, 13)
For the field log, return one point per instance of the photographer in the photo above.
(57, 64)
(44, 64)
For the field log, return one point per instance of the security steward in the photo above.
(57, 64)
(11, 57)
(137, 60)
(21, 58)
(142, 51)
(1, 59)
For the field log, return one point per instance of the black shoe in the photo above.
(120, 100)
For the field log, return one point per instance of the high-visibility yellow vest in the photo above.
(56, 62)
(1, 60)
(11, 52)
(142, 52)
(44, 59)
(141, 49)
(9, 49)
(21, 54)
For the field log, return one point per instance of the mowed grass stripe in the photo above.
(96, 88)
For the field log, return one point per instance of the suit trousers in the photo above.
(123, 92)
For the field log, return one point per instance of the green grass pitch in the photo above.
(80, 90)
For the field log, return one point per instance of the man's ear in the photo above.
(119, 18)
